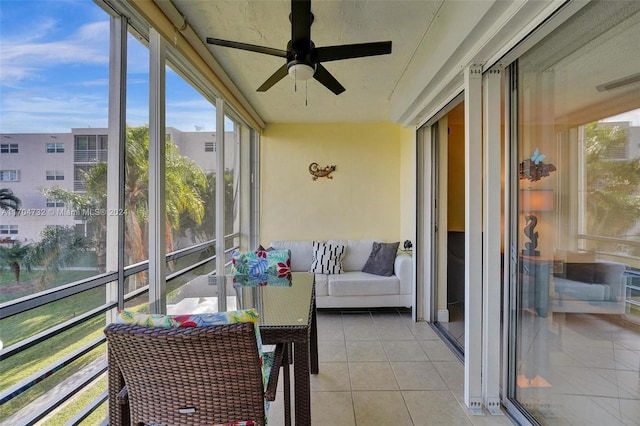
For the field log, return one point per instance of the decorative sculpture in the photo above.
(529, 230)
(318, 172)
(534, 169)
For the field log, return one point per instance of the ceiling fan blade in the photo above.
(348, 51)
(250, 47)
(327, 80)
(301, 24)
(275, 77)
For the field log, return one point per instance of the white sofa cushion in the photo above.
(577, 290)
(356, 254)
(359, 283)
(301, 253)
(322, 284)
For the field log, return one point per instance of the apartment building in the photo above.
(33, 162)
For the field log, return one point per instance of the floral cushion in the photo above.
(260, 280)
(275, 263)
(198, 320)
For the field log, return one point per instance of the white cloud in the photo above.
(39, 114)
(31, 55)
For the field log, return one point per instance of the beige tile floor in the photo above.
(379, 368)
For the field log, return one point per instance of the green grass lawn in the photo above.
(60, 417)
(32, 360)
(10, 290)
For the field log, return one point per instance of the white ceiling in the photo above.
(369, 82)
(433, 42)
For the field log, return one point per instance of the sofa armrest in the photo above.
(403, 268)
(612, 274)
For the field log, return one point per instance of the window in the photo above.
(8, 229)
(185, 160)
(55, 175)
(90, 148)
(55, 148)
(617, 136)
(80, 176)
(57, 97)
(85, 142)
(102, 142)
(9, 175)
(54, 203)
(9, 148)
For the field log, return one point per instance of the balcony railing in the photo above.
(90, 156)
(79, 185)
(53, 398)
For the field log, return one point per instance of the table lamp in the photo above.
(532, 201)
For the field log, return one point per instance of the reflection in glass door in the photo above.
(576, 346)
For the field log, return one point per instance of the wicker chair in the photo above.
(187, 376)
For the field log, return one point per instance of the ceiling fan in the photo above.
(303, 57)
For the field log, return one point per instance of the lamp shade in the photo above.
(537, 200)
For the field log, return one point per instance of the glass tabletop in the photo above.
(278, 304)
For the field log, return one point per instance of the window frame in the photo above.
(15, 173)
(9, 148)
(54, 175)
(54, 148)
(9, 229)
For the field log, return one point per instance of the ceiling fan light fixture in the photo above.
(301, 71)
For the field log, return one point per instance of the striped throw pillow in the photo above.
(327, 258)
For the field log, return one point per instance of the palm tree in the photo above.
(186, 185)
(59, 247)
(13, 256)
(84, 205)
(186, 191)
(8, 200)
(205, 230)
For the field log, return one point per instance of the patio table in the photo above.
(287, 314)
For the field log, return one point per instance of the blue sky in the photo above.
(54, 64)
(54, 58)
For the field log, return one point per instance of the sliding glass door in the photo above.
(575, 348)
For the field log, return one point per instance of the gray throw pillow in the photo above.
(381, 259)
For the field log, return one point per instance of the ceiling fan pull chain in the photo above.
(306, 85)
(295, 79)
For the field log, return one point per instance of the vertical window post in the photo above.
(220, 207)
(473, 238)
(157, 166)
(116, 158)
(491, 242)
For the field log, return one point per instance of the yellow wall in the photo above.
(456, 170)
(408, 185)
(361, 201)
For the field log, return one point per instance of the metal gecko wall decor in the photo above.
(318, 172)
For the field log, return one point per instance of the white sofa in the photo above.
(354, 288)
(593, 287)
